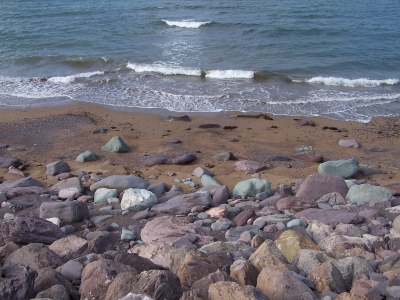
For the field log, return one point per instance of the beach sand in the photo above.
(57, 133)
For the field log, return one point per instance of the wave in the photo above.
(71, 78)
(186, 23)
(163, 69)
(229, 74)
(360, 82)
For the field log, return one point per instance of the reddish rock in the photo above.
(366, 289)
(249, 166)
(70, 247)
(244, 272)
(328, 217)
(317, 185)
(294, 204)
(201, 286)
(134, 260)
(308, 156)
(394, 187)
(241, 218)
(182, 204)
(23, 191)
(327, 277)
(172, 160)
(47, 277)
(234, 291)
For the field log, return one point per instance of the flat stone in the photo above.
(233, 234)
(366, 193)
(182, 204)
(102, 218)
(6, 162)
(249, 166)
(349, 143)
(172, 160)
(308, 156)
(223, 156)
(344, 168)
(120, 183)
(328, 217)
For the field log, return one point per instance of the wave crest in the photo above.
(166, 70)
(71, 78)
(229, 74)
(186, 23)
(360, 82)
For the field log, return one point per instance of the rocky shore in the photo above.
(102, 204)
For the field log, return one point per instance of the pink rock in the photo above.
(308, 156)
(328, 217)
(294, 204)
(317, 185)
(349, 143)
(249, 166)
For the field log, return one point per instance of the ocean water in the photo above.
(337, 59)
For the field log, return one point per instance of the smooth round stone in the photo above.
(106, 208)
(67, 229)
(208, 221)
(127, 235)
(220, 226)
(203, 215)
(198, 222)
(296, 222)
(114, 225)
(92, 235)
(113, 201)
(98, 219)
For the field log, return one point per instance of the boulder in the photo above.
(68, 211)
(120, 183)
(233, 291)
(344, 168)
(57, 291)
(158, 284)
(71, 270)
(25, 230)
(57, 167)
(328, 217)
(182, 204)
(6, 162)
(17, 282)
(116, 144)
(48, 277)
(327, 277)
(249, 166)
(137, 199)
(278, 284)
(134, 260)
(200, 287)
(168, 229)
(244, 272)
(252, 187)
(317, 185)
(368, 193)
(198, 264)
(70, 183)
(290, 242)
(70, 247)
(35, 256)
(98, 275)
(87, 156)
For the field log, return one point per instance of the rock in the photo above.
(332, 199)
(232, 291)
(365, 289)
(69, 247)
(35, 256)
(394, 187)
(368, 193)
(207, 180)
(228, 247)
(308, 156)
(102, 194)
(198, 264)
(221, 195)
(172, 141)
(182, 204)
(20, 183)
(6, 162)
(134, 260)
(270, 281)
(138, 199)
(352, 268)
(173, 160)
(296, 222)
(252, 187)
(158, 284)
(294, 204)
(199, 171)
(23, 191)
(116, 144)
(344, 168)
(168, 229)
(290, 242)
(48, 277)
(249, 166)
(157, 189)
(25, 230)
(223, 156)
(242, 218)
(68, 211)
(57, 167)
(201, 286)
(127, 235)
(73, 193)
(87, 156)
(162, 254)
(271, 158)
(317, 185)
(244, 272)
(120, 183)
(98, 275)
(370, 171)
(220, 225)
(71, 270)
(349, 143)
(233, 234)
(17, 282)
(6, 250)
(327, 277)
(57, 291)
(328, 217)
(70, 183)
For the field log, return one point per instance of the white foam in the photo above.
(71, 78)
(186, 23)
(229, 74)
(360, 82)
(166, 70)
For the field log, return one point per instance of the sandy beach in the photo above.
(62, 132)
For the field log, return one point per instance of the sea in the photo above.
(336, 59)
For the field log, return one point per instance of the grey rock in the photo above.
(87, 156)
(120, 183)
(207, 180)
(252, 187)
(157, 188)
(199, 171)
(68, 211)
(138, 199)
(17, 282)
(99, 219)
(349, 143)
(102, 194)
(116, 144)
(370, 171)
(223, 156)
(182, 204)
(221, 195)
(296, 222)
(173, 160)
(69, 183)
(368, 193)
(57, 291)
(6, 162)
(249, 166)
(23, 182)
(57, 167)
(344, 168)
(220, 225)
(233, 234)
(127, 235)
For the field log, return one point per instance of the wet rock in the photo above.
(68, 211)
(25, 230)
(116, 144)
(57, 167)
(344, 168)
(317, 185)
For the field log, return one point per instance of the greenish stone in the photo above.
(116, 144)
(368, 193)
(207, 180)
(87, 156)
(252, 187)
(344, 168)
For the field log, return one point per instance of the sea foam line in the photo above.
(166, 70)
(185, 23)
(360, 82)
(71, 78)
(229, 74)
